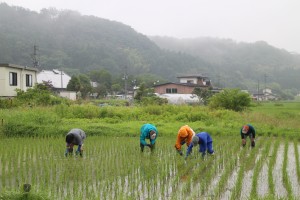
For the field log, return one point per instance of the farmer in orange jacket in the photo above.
(185, 135)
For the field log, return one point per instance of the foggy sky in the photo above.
(275, 21)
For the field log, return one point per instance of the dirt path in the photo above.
(280, 191)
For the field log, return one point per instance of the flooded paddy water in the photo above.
(114, 168)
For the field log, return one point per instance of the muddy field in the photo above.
(114, 168)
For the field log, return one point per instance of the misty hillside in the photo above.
(67, 39)
(246, 63)
(77, 44)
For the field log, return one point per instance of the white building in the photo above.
(14, 77)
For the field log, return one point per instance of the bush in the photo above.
(231, 99)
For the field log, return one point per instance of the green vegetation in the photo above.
(32, 151)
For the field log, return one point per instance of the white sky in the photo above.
(275, 21)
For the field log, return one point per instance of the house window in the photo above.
(13, 81)
(171, 90)
(28, 80)
(189, 81)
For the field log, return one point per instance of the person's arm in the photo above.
(189, 150)
(143, 139)
(190, 136)
(242, 135)
(253, 131)
(203, 146)
(178, 143)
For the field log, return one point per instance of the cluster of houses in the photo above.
(14, 77)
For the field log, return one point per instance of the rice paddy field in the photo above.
(114, 168)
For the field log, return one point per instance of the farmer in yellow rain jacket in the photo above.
(185, 135)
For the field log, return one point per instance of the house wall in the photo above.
(195, 80)
(181, 89)
(68, 94)
(6, 90)
(188, 80)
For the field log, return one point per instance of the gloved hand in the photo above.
(243, 142)
(66, 152)
(149, 145)
(180, 152)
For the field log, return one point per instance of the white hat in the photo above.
(195, 140)
(152, 137)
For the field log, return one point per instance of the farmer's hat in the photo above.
(152, 135)
(69, 138)
(195, 140)
(245, 129)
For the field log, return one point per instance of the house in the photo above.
(186, 85)
(265, 95)
(58, 80)
(14, 77)
(182, 92)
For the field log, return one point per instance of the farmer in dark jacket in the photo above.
(248, 131)
(205, 144)
(75, 137)
(148, 131)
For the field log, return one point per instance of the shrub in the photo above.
(231, 99)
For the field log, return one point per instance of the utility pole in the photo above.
(265, 78)
(125, 78)
(34, 57)
(257, 90)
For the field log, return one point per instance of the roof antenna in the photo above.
(34, 57)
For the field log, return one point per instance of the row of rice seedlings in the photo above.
(189, 180)
(245, 162)
(285, 176)
(213, 167)
(292, 170)
(250, 170)
(271, 167)
(257, 169)
(297, 149)
(231, 164)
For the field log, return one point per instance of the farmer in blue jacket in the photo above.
(148, 131)
(205, 144)
(248, 131)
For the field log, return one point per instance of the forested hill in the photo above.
(67, 39)
(79, 43)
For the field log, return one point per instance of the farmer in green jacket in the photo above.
(75, 136)
(248, 131)
(148, 131)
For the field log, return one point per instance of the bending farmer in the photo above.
(205, 144)
(75, 137)
(185, 135)
(148, 131)
(248, 131)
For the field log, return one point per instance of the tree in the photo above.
(203, 94)
(74, 84)
(86, 87)
(231, 99)
(80, 83)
